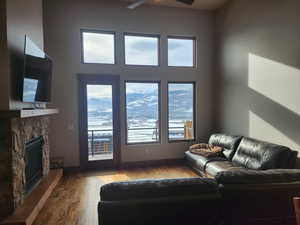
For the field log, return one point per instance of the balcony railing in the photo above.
(101, 141)
(142, 134)
(178, 133)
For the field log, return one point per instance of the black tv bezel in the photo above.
(48, 100)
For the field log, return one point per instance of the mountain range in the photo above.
(143, 106)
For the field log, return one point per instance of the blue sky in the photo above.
(139, 50)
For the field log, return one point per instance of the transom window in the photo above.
(181, 108)
(141, 50)
(98, 47)
(181, 52)
(142, 112)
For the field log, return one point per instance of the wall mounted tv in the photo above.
(37, 74)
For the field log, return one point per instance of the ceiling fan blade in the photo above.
(188, 2)
(136, 4)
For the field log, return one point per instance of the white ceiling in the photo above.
(198, 4)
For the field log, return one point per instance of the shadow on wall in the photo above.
(268, 116)
(275, 80)
(274, 101)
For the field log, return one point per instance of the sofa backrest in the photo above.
(157, 188)
(228, 142)
(259, 177)
(255, 154)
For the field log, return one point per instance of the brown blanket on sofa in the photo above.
(206, 150)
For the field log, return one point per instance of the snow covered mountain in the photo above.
(144, 106)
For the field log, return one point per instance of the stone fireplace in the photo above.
(15, 134)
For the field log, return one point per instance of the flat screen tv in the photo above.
(37, 74)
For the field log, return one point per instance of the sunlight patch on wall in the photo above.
(276, 81)
(260, 129)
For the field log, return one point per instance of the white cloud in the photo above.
(141, 50)
(181, 87)
(180, 52)
(99, 48)
(99, 91)
(141, 87)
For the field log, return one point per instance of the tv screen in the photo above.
(37, 74)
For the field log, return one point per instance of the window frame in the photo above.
(194, 83)
(158, 36)
(98, 32)
(158, 82)
(194, 39)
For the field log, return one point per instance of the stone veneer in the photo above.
(14, 133)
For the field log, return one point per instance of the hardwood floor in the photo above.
(75, 199)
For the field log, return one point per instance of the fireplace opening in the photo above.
(33, 162)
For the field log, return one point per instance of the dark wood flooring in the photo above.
(74, 201)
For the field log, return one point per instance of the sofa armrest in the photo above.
(158, 188)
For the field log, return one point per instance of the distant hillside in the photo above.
(144, 106)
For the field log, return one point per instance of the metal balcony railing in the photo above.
(101, 141)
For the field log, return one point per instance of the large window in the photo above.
(181, 52)
(142, 111)
(181, 109)
(141, 50)
(98, 47)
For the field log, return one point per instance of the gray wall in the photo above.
(259, 60)
(19, 18)
(63, 21)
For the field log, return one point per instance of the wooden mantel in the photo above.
(26, 113)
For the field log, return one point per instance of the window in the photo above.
(142, 112)
(141, 50)
(98, 47)
(181, 110)
(181, 52)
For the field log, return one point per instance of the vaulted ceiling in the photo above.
(198, 4)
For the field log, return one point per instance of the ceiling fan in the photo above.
(140, 2)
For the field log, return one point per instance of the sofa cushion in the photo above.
(258, 176)
(255, 154)
(141, 189)
(213, 168)
(229, 143)
(199, 162)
